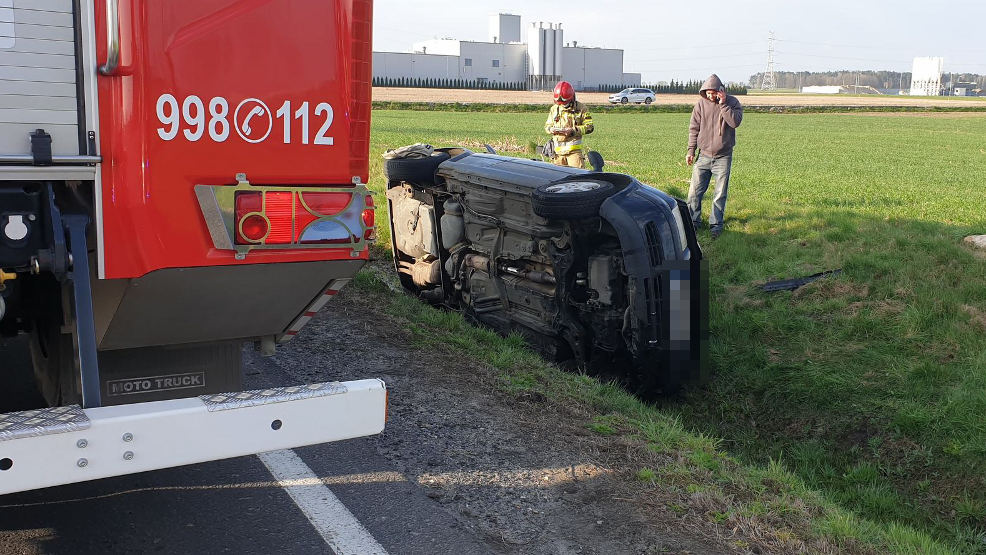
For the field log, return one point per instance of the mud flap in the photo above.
(158, 373)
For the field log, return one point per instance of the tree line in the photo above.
(674, 87)
(693, 87)
(885, 80)
(442, 83)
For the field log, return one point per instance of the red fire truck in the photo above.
(176, 177)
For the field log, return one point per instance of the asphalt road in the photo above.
(233, 506)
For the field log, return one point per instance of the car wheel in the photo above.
(420, 171)
(648, 100)
(571, 200)
(624, 100)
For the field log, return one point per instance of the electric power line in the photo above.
(767, 83)
(716, 57)
(695, 68)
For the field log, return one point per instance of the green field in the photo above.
(871, 386)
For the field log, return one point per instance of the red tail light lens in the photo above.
(279, 208)
(250, 206)
(369, 220)
(326, 204)
(254, 228)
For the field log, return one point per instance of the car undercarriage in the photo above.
(595, 270)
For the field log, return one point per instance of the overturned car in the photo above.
(595, 270)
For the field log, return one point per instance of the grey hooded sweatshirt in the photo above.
(713, 125)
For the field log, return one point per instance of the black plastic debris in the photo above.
(794, 283)
(596, 161)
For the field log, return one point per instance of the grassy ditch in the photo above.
(686, 473)
(869, 387)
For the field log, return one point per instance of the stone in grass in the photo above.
(977, 241)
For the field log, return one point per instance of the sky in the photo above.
(689, 40)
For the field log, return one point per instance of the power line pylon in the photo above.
(768, 84)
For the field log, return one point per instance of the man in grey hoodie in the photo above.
(712, 130)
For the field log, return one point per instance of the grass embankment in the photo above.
(870, 387)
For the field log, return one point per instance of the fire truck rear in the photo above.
(176, 177)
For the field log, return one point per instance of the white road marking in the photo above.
(337, 526)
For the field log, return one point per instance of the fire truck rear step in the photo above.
(42, 422)
(64, 445)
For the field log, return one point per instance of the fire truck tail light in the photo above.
(369, 220)
(369, 217)
(326, 232)
(296, 217)
(279, 208)
(253, 228)
(249, 202)
(326, 204)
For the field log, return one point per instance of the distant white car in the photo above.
(632, 95)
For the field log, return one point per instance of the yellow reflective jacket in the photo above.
(575, 116)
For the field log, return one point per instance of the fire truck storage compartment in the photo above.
(38, 75)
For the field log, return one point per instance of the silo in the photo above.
(549, 52)
(544, 52)
(559, 52)
(535, 55)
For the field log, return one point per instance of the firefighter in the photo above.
(567, 122)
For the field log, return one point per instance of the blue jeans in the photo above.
(705, 167)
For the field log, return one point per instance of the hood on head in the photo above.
(713, 82)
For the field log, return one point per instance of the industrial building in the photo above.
(926, 76)
(540, 62)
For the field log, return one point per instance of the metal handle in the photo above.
(112, 38)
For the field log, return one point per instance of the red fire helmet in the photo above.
(564, 92)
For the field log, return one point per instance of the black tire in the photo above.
(624, 100)
(648, 100)
(571, 200)
(53, 358)
(420, 171)
(51, 343)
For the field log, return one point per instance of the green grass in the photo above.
(869, 387)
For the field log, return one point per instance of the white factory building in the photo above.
(540, 62)
(926, 76)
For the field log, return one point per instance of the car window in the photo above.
(624, 91)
